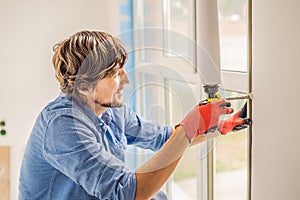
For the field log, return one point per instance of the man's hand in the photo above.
(204, 117)
(237, 122)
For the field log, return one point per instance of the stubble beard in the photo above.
(112, 104)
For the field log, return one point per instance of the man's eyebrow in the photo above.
(119, 67)
(116, 69)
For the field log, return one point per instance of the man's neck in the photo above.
(96, 108)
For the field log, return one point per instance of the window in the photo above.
(231, 157)
(233, 23)
(165, 54)
(231, 161)
(165, 62)
(233, 34)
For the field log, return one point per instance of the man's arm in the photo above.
(152, 175)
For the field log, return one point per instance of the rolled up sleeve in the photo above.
(145, 133)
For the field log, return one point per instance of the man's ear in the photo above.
(86, 90)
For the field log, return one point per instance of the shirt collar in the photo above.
(106, 117)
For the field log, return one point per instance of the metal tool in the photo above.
(248, 96)
(238, 121)
(212, 93)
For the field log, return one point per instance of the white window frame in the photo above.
(231, 80)
(238, 82)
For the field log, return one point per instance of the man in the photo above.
(76, 148)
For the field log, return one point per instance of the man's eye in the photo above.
(118, 73)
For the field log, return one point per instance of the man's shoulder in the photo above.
(62, 105)
(59, 103)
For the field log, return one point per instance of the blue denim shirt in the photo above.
(73, 154)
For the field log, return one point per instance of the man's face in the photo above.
(109, 91)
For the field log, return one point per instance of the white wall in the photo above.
(276, 71)
(28, 31)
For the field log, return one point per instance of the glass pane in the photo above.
(231, 161)
(149, 106)
(151, 33)
(178, 19)
(233, 34)
(167, 29)
(152, 13)
(184, 179)
(152, 106)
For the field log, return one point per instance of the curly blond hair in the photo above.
(84, 58)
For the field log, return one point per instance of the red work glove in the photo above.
(204, 117)
(236, 122)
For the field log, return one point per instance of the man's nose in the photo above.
(125, 78)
